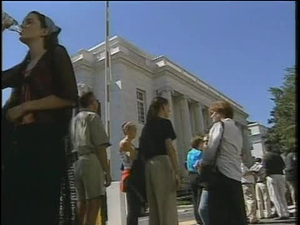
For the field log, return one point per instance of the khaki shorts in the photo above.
(89, 177)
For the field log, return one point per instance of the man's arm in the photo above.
(245, 170)
(99, 139)
(102, 156)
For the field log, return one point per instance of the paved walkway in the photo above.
(186, 217)
(188, 208)
(264, 221)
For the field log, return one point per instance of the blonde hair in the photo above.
(128, 125)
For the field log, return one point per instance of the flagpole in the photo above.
(108, 76)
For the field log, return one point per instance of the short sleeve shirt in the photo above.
(154, 135)
(87, 132)
(193, 156)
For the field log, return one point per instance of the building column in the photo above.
(193, 119)
(185, 124)
(167, 94)
(246, 149)
(199, 118)
(205, 117)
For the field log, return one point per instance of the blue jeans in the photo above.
(203, 207)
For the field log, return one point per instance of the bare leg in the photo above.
(92, 210)
(81, 206)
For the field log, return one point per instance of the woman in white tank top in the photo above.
(128, 154)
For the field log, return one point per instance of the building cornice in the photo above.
(121, 57)
(163, 62)
(129, 53)
(204, 92)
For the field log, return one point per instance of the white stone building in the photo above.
(143, 77)
(257, 131)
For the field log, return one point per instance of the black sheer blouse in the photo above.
(52, 75)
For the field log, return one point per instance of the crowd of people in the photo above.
(268, 182)
(38, 117)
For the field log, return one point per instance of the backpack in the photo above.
(137, 180)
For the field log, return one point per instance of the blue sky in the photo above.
(239, 48)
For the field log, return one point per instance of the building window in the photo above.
(141, 105)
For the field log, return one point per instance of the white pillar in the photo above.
(116, 205)
(246, 149)
(167, 94)
(186, 123)
(193, 119)
(199, 118)
(205, 117)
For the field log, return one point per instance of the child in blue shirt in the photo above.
(193, 156)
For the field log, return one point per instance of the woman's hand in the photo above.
(6, 23)
(107, 180)
(178, 182)
(16, 112)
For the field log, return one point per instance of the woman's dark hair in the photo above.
(86, 99)
(155, 106)
(52, 39)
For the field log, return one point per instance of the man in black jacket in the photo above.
(274, 166)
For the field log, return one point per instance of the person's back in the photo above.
(153, 137)
(81, 132)
(273, 163)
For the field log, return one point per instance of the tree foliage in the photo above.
(282, 134)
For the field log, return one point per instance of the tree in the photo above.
(283, 116)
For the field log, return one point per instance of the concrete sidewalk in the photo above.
(185, 213)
